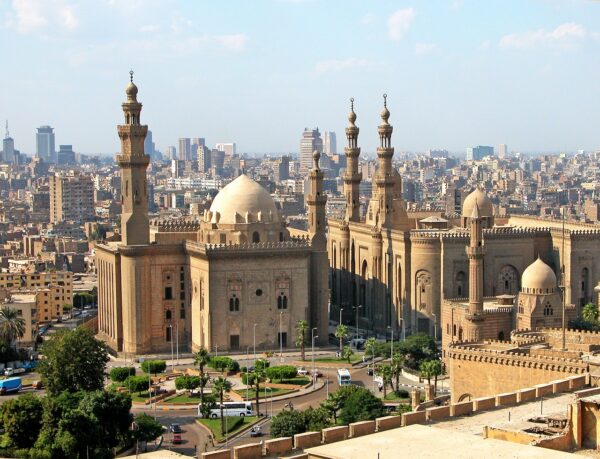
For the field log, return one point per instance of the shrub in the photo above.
(136, 383)
(224, 363)
(402, 393)
(154, 366)
(120, 374)
(261, 364)
(282, 372)
(187, 382)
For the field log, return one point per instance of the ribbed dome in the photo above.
(486, 209)
(241, 197)
(538, 275)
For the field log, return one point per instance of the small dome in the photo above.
(240, 197)
(131, 90)
(538, 275)
(385, 113)
(484, 204)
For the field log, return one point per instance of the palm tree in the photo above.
(341, 332)
(386, 374)
(301, 328)
(202, 358)
(397, 365)
(347, 353)
(370, 346)
(431, 369)
(12, 327)
(220, 386)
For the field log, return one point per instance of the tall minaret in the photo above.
(384, 178)
(135, 228)
(352, 177)
(475, 252)
(316, 204)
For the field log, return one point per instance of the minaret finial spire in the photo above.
(385, 100)
(7, 133)
(131, 76)
(352, 103)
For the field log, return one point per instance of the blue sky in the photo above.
(457, 73)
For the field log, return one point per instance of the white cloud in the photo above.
(368, 18)
(399, 23)
(425, 48)
(149, 28)
(234, 42)
(565, 36)
(28, 16)
(335, 65)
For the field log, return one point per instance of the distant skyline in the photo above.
(457, 73)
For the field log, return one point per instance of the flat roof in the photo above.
(428, 442)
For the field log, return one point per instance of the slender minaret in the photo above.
(316, 204)
(135, 228)
(475, 252)
(352, 176)
(384, 178)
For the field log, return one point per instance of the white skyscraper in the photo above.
(329, 143)
(502, 151)
(45, 148)
(227, 148)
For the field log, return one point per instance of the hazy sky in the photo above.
(458, 73)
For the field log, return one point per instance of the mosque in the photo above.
(236, 280)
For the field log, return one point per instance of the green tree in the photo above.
(347, 353)
(22, 419)
(220, 387)
(301, 328)
(120, 374)
(136, 383)
(224, 364)
(416, 348)
(154, 366)
(341, 333)
(397, 363)
(202, 358)
(281, 372)
(74, 360)
(589, 313)
(336, 400)
(146, 428)
(287, 423)
(187, 382)
(370, 344)
(431, 369)
(12, 327)
(386, 373)
(361, 405)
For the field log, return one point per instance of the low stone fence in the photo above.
(300, 442)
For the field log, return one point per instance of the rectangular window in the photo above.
(283, 339)
(168, 293)
(182, 313)
(168, 334)
(182, 295)
(234, 341)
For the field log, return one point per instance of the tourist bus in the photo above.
(344, 377)
(230, 409)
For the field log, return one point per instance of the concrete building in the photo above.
(236, 275)
(479, 152)
(329, 143)
(311, 141)
(26, 306)
(228, 148)
(65, 155)
(502, 151)
(185, 149)
(45, 144)
(71, 197)
(9, 154)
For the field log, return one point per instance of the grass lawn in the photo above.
(183, 398)
(140, 397)
(270, 391)
(354, 358)
(234, 424)
(297, 381)
(391, 396)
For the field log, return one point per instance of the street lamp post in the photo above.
(247, 365)
(357, 308)
(313, 336)
(254, 343)
(171, 339)
(341, 310)
(392, 345)
(403, 330)
(434, 326)
(280, 337)
(177, 340)
(216, 350)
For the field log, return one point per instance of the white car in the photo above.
(302, 371)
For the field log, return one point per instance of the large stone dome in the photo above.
(538, 278)
(243, 201)
(486, 209)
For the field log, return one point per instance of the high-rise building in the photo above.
(311, 141)
(8, 147)
(185, 149)
(217, 160)
(198, 143)
(227, 148)
(171, 153)
(65, 155)
(45, 144)
(479, 152)
(437, 153)
(204, 155)
(502, 150)
(149, 145)
(71, 197)
(329, 143)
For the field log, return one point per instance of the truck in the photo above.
(14, 371)
(10, 385)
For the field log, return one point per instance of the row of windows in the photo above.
(234, 302)
(169, 314)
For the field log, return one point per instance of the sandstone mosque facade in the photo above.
(234, 279)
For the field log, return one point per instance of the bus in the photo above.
(230, 409)
(344, 377)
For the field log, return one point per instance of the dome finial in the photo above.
(131, 76)
(385, 113)
(316, 156)
(352, 115)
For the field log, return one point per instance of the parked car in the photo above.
(316, 373)
(175, 428)
(177, 439)
(302, 371)
(255, 432)
(14, 371)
